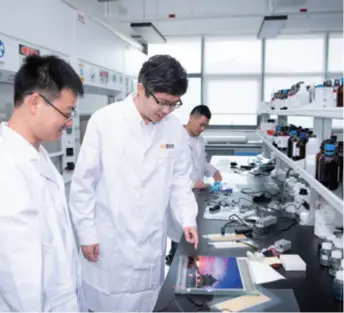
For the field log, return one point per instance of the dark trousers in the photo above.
(174, 246)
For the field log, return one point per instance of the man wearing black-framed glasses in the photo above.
(133, 171)
(40, 269)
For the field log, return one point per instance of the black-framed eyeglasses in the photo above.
(171, 105)
(67, 116)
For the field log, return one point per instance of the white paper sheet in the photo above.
(263, 273)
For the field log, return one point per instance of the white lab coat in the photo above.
(39, 268)
(200, 168)
(126, 175)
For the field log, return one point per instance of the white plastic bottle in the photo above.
(312, 149)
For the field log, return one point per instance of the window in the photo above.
(232, 101)
(186, 50)
(336, 54)
(229, 56)
(191, 99)
(290, 55)
(233, 119)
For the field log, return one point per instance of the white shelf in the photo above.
(279, 154)
(329, 196)
(333, 113)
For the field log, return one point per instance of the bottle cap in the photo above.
(340, 275)
(337, 254)
(303, 192)
(330, 147)
(327, 246)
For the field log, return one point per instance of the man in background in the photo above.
(199, 120)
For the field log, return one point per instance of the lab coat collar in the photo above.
(24, 150)
(133, 116)
(22, 147)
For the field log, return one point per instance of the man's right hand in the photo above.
(91, 252)
(200, 185)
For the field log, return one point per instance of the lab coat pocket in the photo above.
(142, 279)
(106, 247)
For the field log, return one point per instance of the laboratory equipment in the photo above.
(338, 286)
(340, 94)
(311, 153)
(325, 254)
(340, 156)
(299, 149)
(292, 138)
(335, 262)
(328, 167)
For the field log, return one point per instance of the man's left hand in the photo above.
(191, 235)
(217, 176)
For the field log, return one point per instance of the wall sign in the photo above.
(81, 18)
(114, 78)
(81, 72)
(24, 51)
(92, 75)
(104, 76)
(2, 53)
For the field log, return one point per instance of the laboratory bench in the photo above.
(312, 290)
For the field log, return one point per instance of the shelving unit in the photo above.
(330, 113)
(329, 196)
(322, 128)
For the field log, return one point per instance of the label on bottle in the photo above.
(285, 142)
(324, 257)
(296, 150)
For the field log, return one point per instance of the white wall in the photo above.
(54, 27)
(91, 103)
(46, 23)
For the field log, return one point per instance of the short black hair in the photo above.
(46, 74)
(201, 110)
(163, 73)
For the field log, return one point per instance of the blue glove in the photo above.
(217, 187)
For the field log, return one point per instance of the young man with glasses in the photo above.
(134, 165)
(198, 122)
(39, 265)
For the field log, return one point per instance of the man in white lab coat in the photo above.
(39, 266)
(134, 165)
(199, 120)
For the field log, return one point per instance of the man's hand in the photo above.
(191, 235)
(217, 176)
(91, 252)
(200, 185)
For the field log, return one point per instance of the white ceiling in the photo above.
(216, 17)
